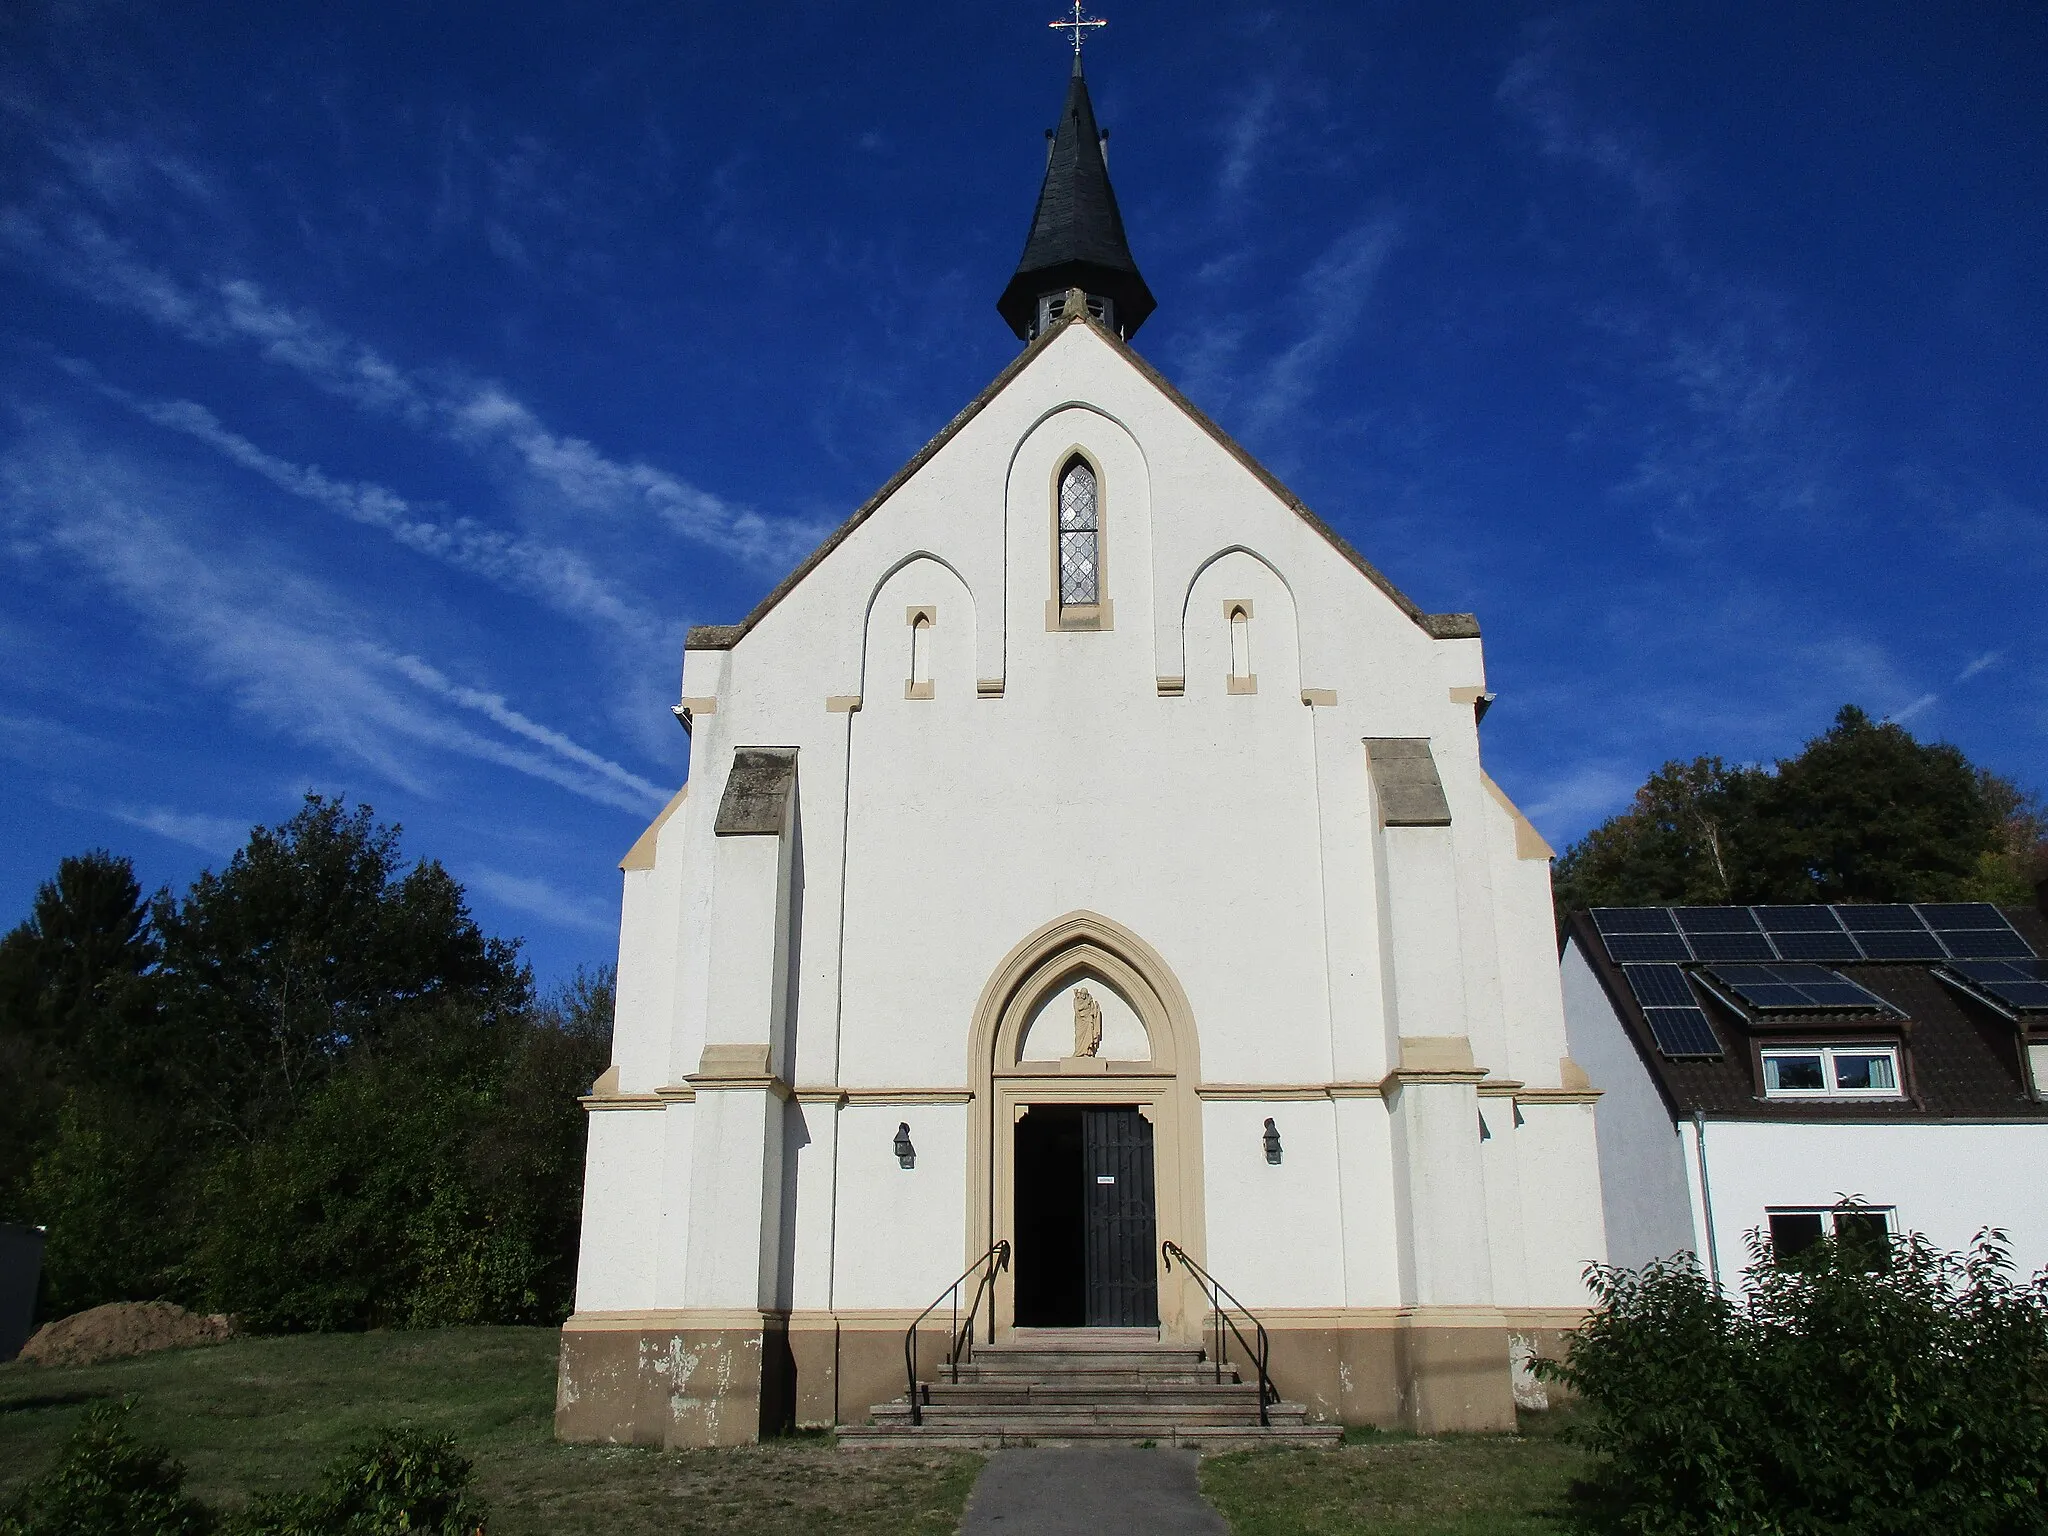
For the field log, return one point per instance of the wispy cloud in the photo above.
(1730, 419)
(217, 835)
(73, 247)
(560, 577)
(494, 708)
(1983, 663)
(1322, 313)
(293, 655)
(1245, 135)
(537, 898)
(1919, 706)
(1536, 90)
(1583, 794)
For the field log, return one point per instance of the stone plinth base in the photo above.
(1428, 1370)
(674, 1379)
(695, 1378)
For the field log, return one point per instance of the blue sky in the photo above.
(385, 387)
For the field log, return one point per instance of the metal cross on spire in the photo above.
(1077, 27)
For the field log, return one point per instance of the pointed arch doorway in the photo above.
(1086, 1152)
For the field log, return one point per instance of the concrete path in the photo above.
(1087, 1492)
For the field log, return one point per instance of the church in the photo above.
(1087, 887)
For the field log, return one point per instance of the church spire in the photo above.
(1077, 235)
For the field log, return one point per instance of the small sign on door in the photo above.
(1105, 1178)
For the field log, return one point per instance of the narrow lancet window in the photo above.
(920, 655)
(1080, 556)
(1240, 643)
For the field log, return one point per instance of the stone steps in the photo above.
(1052, 1387)
(1202, 1437)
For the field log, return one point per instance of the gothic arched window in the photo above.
(1080, 534)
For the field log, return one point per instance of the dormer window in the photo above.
(1832, 1072)
(1080, 550)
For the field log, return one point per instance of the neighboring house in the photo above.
(1766, 1063)
(1085, 848)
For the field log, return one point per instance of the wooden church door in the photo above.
(1121, 1266)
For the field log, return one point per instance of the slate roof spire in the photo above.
(1077, 235)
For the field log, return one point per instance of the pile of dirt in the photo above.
(123, 1328)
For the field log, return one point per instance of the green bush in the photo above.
(106, 1483)
(402, 1483)
(1845, 1391)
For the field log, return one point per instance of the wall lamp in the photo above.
(906, 1154)
(1272, 1142)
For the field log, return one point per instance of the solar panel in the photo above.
(1795, 988)
(1987, 945)
(1715, 919)
(2022, 985)
(1878, 918)
(1920, 945)
(1625, 947)
(1659, 986)
(1961, 914)
(1841, 992)
(1682, 1032)
(1797, 919)
(1732, 946)
(1806, 944)
(1632, 920)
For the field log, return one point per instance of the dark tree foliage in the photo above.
(1848, 1390)
(310, 1090)
(77, 1040)
(309, 947)
(1863, 813)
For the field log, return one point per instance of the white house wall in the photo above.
(1945, 1181)
(1643, 1175)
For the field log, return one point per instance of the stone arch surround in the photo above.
(1163, 1089)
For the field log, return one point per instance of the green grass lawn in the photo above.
(1398, 1485)
(260, 1415)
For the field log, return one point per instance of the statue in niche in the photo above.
(1087, 1023)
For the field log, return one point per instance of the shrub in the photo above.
(403, 1482)
(107, 1483)
(1846, 1391)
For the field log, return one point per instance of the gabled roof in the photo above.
(1440, 626)
(1077, 234)
(1963, 1060)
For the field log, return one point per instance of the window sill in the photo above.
(1079, 618)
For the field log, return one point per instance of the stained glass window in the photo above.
(1080, 566)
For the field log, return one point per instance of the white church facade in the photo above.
(1083, 803)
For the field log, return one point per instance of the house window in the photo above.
(1863, 1233)
(1832, 1072)
(1080, 532)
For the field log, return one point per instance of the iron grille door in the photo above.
(1123, 1276)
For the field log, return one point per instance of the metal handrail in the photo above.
(990, 1264)
(1169, 1251)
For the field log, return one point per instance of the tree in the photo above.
(1681, 843)
(310, 1090)
(1863, 813)
(1866, 813)
(311, 946)
(77, 1004)
(72, 976)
